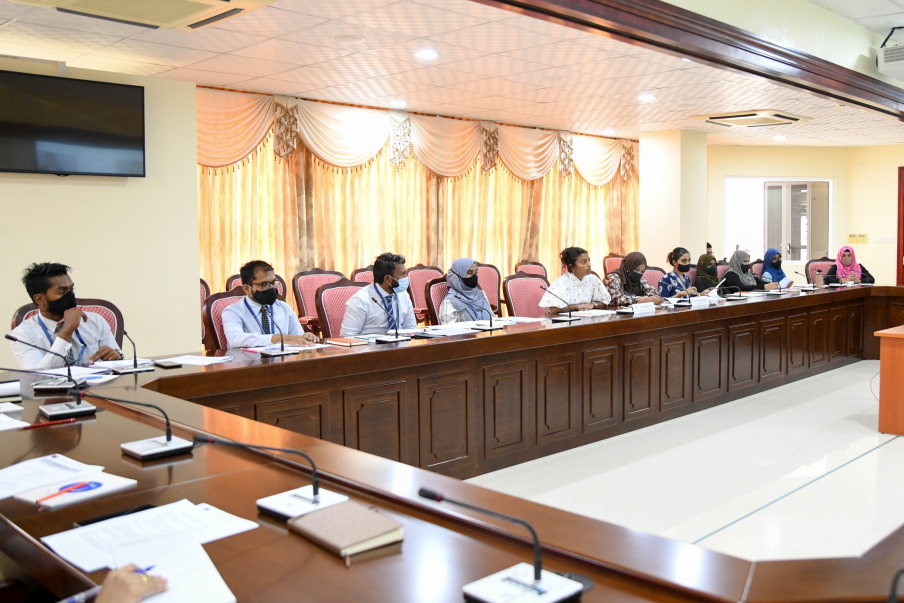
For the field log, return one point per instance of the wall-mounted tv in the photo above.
(57, 125)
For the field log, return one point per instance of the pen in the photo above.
(63, 491)
(145, 570)
(83, 596)
(48, 423)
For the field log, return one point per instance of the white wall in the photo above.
(133, 241)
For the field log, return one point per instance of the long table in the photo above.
(446, 409)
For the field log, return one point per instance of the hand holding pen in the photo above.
(129, 584)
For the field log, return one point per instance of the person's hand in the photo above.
(857, 280)
(771, 286)
(708, 291)
(582, 306)
(305, 339)
(72, 319)
(681, 294)
(106, 353)
(692, 291)
(126, 586)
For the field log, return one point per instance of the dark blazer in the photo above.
(733, 280)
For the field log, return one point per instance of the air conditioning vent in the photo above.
(753, 119)
(184, 15)
(891, 61)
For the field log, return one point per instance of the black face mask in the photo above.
(684, 267)
(712, 270)
(745, 268)
(470, 282)
(265, 298)
(59, 306)
(777, 264)
(635, 276)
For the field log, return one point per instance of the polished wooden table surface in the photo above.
(891, 381)
(444, 547)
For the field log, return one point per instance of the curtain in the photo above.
(230, 125)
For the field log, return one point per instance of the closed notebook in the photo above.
(96, 484)
(348, 528)
(346, 341)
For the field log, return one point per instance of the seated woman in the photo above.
(740, 278)
(772, 267)
(464, 301)
(707, 273)
(578, 286)
(847, 270)
(677, 284)
(627, 286)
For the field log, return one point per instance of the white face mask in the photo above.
(402, 285)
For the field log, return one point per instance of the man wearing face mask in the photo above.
(249, 323)
(59, 325)
(363, 317)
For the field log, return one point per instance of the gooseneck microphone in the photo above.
(393, 320)
(65, 359)
(482, 310)
(80, 394)
(209, 439)
(134, 368)
(560, 318)
(282, 342)
(893, 597)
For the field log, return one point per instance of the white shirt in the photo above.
(363, 317)
(448, 314)
(95, 332)
(243, 330)
(574, 291)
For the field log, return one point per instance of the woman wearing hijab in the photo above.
(847, 270)
(582, 289)
(740, 278)
(464, 301)
(772, 267)
(707, 273)
(627, 286)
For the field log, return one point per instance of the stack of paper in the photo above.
(199, 360)
(42, 471)
(9, 388)
(118, 364)
(7, 422)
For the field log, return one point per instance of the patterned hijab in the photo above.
(777, 273)
(473, 297)
(734, 265)
(702, 274)
(631, 261)
(845, 271)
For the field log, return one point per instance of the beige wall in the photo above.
(133, 241)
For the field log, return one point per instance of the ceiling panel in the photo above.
(331, 9)
(270, 22)
(545, 27)
(19, 32)
(413, 19)
(495, 65)
(87, 61)
(494, 37)
(53, 18)
(336, 34)
(447, 52)
(558, 54)
(467, 7)
(289, 52)
(210, 39)
(252, 67)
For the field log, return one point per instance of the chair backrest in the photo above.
(205, 293)
(611, 263)
(523, 293)
(305, 285)
(435, 292)
(653, 275)
(212, 313)
(490, 280)
(757, 268)
(721, 270)
(420, 275)
(236, 281)
(822, 264)
(363, 275)
(330, 302)
(102, 307)
(692, 274)
(531, 268)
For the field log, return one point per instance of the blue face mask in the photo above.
(402, 286)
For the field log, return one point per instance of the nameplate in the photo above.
(699, 302)
(647, 308)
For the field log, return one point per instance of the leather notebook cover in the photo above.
(347, 528)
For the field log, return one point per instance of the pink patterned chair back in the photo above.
(720, 271)
(523, 293)
(205, 293)
(101, 311)
(692, 274)
(102, 308)
(363, 275)
(757, 268)
(420, 276)
(814, 265)
(612, 263)
(331, 300)
(488, 278)
(653, 275)
(236, 281)
(436, 293)
(307, 284)
(233, 281)
(216, 311)
(532, 268)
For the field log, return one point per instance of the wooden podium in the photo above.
(891, 376)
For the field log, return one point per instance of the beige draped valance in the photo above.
(231, 125)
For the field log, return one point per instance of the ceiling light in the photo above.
(686, 60)
(646, 98)
(426, 54)
(778, 138)
(348, 39)
(398, 104)
(608, 132)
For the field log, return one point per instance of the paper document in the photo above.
(199, 360)
(10, 388)
(78, 372)
(42, 471)
(7, 423)
(190, 574)
(90, 548)
(593, 312)
(289, 348)
(117, 364)
(785, 282)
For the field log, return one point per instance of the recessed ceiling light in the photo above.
(646, 98)
(779, 138)
(348, 39)
(398, 104)
(608, 132)
(686, 60)
(426, 54)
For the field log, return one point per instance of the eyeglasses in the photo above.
(265, 286)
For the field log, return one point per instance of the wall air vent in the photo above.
(183, 15)
(752, 119)
(891, 61)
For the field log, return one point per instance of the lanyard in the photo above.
(256, 319)
(387, 303)
(50, 338)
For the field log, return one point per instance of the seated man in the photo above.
(364, 317)
(248, 323)
(59, 326)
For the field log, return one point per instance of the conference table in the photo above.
(382, 421)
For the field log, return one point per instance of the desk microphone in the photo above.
(282, 343)
(726, 289)
(482, 310)
(389, 339)
(209, 439)
(72, 382)
(151, 448)
(558, 587)
(893, 597)
(560, 318)
(57, 411)
(145, 368)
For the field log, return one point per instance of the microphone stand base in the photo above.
(561, 318)
(272, 354)
(392, 339)
(733, 299)
(300, 501)
(155, 448)
(146, 368)
(519, 580)
(66, 410)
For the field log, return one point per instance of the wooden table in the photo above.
(891, 381)
(446, 547)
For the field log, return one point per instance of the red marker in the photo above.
(49, 423)
(63, 491)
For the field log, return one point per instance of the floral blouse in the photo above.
(672, 284)
(575, 291)
(621, 297)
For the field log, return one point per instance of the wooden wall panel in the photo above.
(838, 331)
(674, 371)
(600, 391)
(641, 380)
(709, 364)
(742, 356)
(772, 349)
(506, 407)
(556, 396)
(448, 427)
(895, 314)
(798, 343)
(855, 330)
(309, 415)
(819, 337)
(375, 420)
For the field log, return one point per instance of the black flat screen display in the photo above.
(56, 125)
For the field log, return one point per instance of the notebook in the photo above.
(348, 528)
(346, 341)
(97, 484)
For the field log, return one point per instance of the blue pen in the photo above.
(145, 570)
